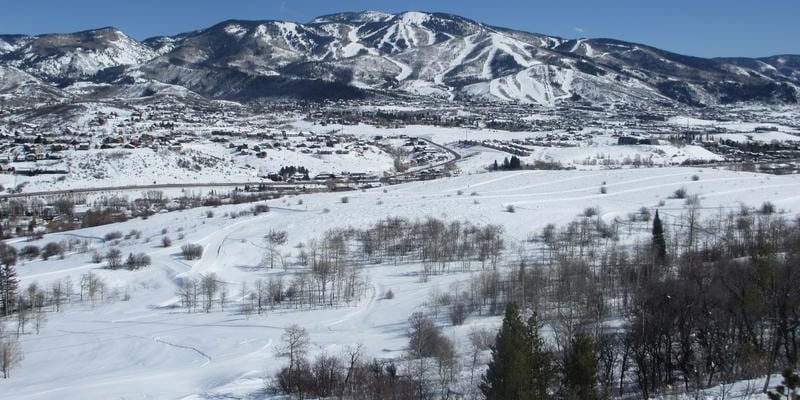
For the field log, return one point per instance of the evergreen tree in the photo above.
(520, 369)
(659, 243)
(580, 370)
(8, 278)
(542, 372)
(506, 164)
(789, 389)
(495, 166)
(515, 163)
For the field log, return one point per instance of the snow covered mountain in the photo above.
(367, 53)
(66, 57)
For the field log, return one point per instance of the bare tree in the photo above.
(274, 240)
(114, 258)
(208, 289)
(295, 344)
(10, 353)
(187, 291)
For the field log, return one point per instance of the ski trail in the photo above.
(179, 346)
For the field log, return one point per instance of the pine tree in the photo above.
(542, 372)
(8, 278)
(520, 368)
(508, 376)
(789, 389)
(659, 243)
(580, 370)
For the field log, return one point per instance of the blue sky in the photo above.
(707, 28)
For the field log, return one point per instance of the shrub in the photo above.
(389, 295)
(603, 190)
(52, 249)
(767, 208)
(192, 251)
(345, 200)
(425, 338)
(458, 313)
(114, 258)
(260, 208)
(590, 212)
(510, 208)
(209, 214)
(113, 236)
(136, 261)
(680, 193)
(695, 178)
(97, 258)
(166, 241)
(644, 213)
(30, 252)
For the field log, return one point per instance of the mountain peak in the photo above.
(354, 17)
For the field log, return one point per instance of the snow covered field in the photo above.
(146, 346)
(203, 161)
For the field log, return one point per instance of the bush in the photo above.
(166, 241)
(680, 193)
(644, 213)
(603, 190)
(192, 251)
(30, 252)
(590, 212)
(510, 208)
(260, 208)
(767, 208)
(209, 214)
(114, 258)
(113, 236)
(136, 261)
(97, 258)
(389, 295)
(695, 178)
(458, 313)
(425, 339)
(345, 200)
(52, 249)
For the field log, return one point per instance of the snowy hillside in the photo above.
(140, 343)
(77, 55)
(349, 55)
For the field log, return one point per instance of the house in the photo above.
(627, 140)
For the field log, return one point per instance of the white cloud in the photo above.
(578, 29)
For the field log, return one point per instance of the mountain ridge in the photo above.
(440, 55)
